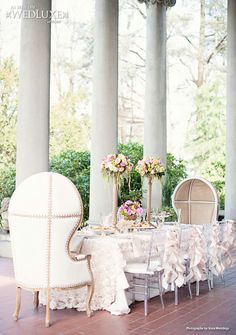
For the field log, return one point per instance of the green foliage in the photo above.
(133, 189)
(75, 166)
(7, 181)
(175, 172)
(206, 138)
(8, 108)
(170, 211)
(215, 173)
(68, 131)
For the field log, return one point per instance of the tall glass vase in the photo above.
(149, 199)
(114, 200)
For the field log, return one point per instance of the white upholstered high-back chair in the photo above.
(196, 200)
(44, 213)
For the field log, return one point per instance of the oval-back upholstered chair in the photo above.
(44, 213)
(197, 199)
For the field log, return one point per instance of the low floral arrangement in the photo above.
(151, 167)
(116, 165)
(130, 210)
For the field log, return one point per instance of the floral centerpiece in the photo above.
(130, 210)
(150, 167)
(116, 166)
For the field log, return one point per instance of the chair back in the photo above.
(44, 212)
(196, 200)
(156, 247)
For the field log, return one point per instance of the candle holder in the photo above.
(116, 167)
(150, 167)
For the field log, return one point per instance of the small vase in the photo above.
(131, 217)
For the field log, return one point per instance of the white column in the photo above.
(34, 86)
(230, 187)
(155, 95)
(105, 104)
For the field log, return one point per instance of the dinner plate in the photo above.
(143, 228)
(103, 232)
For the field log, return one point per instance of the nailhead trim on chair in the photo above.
(45, 216)
(49, 218)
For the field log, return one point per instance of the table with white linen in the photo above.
(110, 255)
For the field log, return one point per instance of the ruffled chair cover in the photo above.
(197, 254)
(173, 262)
(221, 244)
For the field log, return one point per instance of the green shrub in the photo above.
(133, 189)
(76, 166)
(7, 181)
(215, 173)
(175, 172)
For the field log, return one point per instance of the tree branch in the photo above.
(217, 48)
(138, 54)
(189, 69)
(189, 41)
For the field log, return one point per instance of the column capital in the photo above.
(166, 3)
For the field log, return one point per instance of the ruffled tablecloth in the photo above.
(110, 255)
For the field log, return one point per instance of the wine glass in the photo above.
(154, 217)
(179, 215)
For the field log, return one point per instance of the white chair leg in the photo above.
(212, 281)
(209, 284)
(146, 297)
(223, 279)
(133, 289)
(176, 295)
(197, 288)
(190, 290)
(160, 290)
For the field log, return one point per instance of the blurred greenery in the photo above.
(131, 189)
(68, 130)
(8, 109)
(7, 181)
(215, 173)
(175, 172)
(76, 166)
(206, 134)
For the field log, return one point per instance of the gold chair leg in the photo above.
(89, 298)
(47, 318)
(36, 299)
(18, 302)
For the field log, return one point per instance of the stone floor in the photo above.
(202, 315)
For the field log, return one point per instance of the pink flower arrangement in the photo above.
(151, 167)
(116, 165)
(130, 210)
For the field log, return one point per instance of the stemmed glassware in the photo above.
(154, 217)
(161, 218)
(179, 215)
